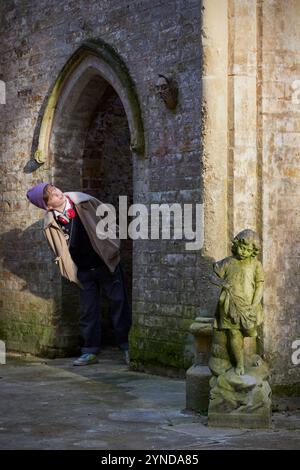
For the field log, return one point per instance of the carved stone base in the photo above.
(241, 401)
(197, 388)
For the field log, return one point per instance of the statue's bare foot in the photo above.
(240, 370)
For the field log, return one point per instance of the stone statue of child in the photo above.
(239, 310)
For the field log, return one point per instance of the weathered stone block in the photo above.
(197, 388)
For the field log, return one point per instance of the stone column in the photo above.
(198, 375)
(215, 126)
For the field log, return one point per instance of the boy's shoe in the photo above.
(86, 359)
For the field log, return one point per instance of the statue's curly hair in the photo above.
(246, 237)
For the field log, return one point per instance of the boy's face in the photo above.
(56, 197)
(244, 250)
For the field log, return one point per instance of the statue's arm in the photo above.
(257, 298)
(217, 281)
(219, 274)
(259, 283)
(219, 268)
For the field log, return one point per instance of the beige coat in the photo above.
(108, 249)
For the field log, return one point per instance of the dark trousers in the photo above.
(93, 281)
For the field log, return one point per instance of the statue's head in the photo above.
(246, 244)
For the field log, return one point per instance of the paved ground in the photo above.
(53, 405)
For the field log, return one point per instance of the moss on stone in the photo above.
(148, 351)
(32, 337)
(3, 332)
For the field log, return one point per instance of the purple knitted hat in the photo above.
(35, 195)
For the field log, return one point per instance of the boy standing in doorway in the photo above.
(92, 263)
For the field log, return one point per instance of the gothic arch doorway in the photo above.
(91, 136)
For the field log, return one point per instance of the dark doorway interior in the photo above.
(90, 152)
(107, 174)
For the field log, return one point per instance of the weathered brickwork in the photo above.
(169, 286)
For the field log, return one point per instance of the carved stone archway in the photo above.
(93, 58)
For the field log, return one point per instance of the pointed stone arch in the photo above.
(92, 58)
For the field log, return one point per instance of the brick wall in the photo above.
(169, 284)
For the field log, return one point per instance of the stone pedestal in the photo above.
(238, 401)
(241, 401)
(198, 375)
(197, 388)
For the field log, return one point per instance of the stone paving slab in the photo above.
(50, 404)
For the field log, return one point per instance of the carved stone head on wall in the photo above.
(167, 90)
